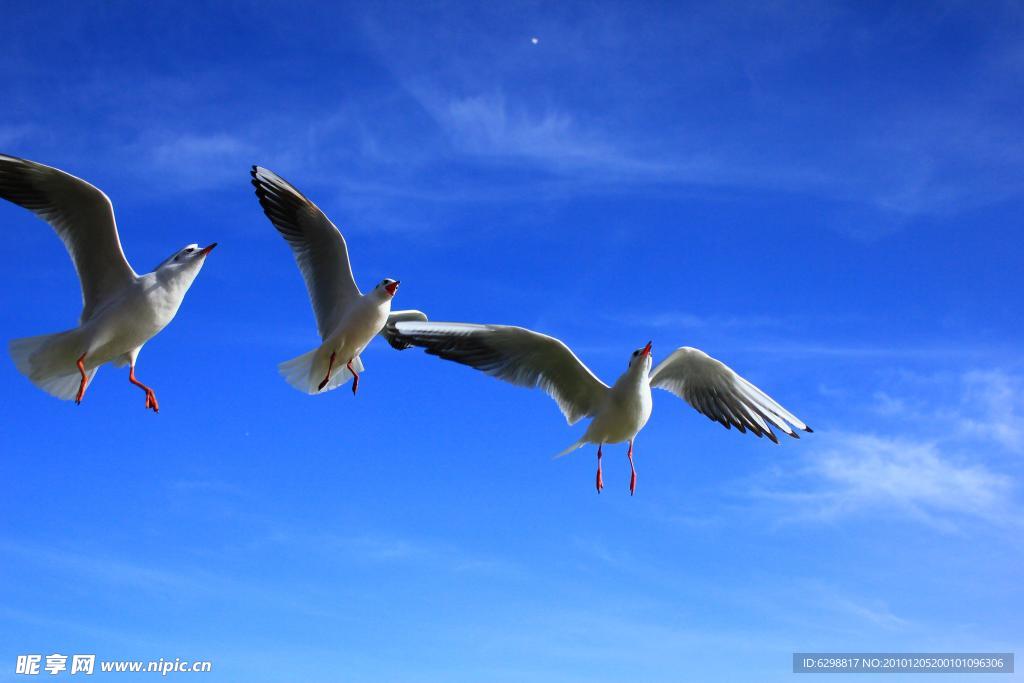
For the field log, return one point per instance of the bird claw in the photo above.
(355, 385)
(600, 481)
(632, 483)
(151, 402)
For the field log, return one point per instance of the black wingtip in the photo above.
(808, 430)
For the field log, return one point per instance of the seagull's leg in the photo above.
(355, 377)
(150, 396)
(330, 366)
(600, 481)
(632, 476)
(85, 379)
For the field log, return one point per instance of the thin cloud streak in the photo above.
(863, 474)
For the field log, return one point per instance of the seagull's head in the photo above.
(190, 255)
(642, 358)
(387, 287)
(185, 262)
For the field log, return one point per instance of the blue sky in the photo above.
(826, 196)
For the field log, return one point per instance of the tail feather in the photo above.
(305, 372)
(579, 444)
(49, 362)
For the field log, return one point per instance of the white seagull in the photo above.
(346, 319)
(121, 310)
(530, 359)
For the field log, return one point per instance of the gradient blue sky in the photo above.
(827, 196)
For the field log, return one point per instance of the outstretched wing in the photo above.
(318, 247)
(391, 334)
(715, 390)
(514, 354)
(82, 217)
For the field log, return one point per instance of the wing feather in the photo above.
(715, 390)
(318, 246)
(82, 217)
(516, 355)
(391, 334)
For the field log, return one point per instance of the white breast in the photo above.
(624, 414)
(361, 323)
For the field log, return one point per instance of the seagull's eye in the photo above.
(189, 250)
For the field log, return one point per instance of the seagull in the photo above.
(121, 310)
(346, 319)
(531, 359)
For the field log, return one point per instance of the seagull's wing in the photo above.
(318, 246)
(715, 390)
(516, 355)
(82, 217)
(391, 334)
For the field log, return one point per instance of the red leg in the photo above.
(150, 396)
(85, 379)
(632, 476)
(600, 481)
(355, 377)
(330, 366)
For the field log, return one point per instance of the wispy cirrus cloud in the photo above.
(395, 550)
(734, 117)
(988, 406)
(195, 161)
(686, 320)
(491, 127)
(168, 580)
(996, 401)
(865, 474)
(942, 452)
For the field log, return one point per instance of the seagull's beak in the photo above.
(206, 250)
(647, 350)
(392, 288)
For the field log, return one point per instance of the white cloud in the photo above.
(487, 125)
(875, 612)
(996, 400)
(191, 161)
(942, 451)
(676, 319)
(394, 550)
(857, 474)
(990, 406)
(717, 105)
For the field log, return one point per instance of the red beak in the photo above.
(206, 250)
(647, 350)
(392, 288)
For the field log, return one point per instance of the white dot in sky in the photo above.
(534, 40)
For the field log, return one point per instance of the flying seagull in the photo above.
(530, 359)
(346, 319)
(121, 310)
